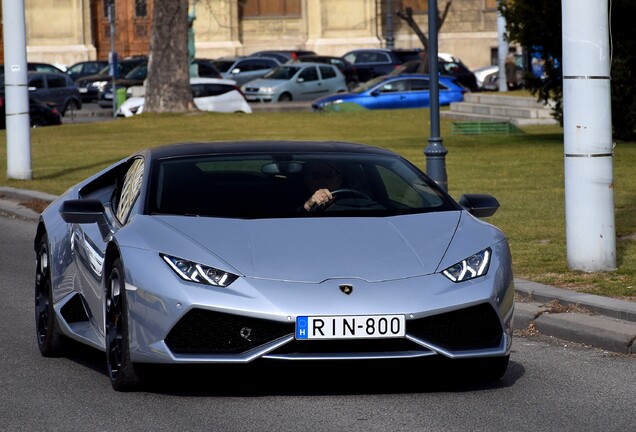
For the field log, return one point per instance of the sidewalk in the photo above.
(597, 321)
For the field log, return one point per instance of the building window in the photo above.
(141, 8)
(269, 8)
(418, 6)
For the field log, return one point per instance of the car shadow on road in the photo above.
(305, 378)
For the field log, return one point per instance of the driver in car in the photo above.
(321, 178)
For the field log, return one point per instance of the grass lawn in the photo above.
(524, 171)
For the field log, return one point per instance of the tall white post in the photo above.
(16, 93)
(588, 147)
(502, 52)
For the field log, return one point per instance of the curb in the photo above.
(592, 320)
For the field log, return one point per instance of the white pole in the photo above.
(16, 93)
(588, 147)
(502, 52)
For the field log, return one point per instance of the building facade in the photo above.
(68, 31)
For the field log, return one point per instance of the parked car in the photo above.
(137, 76)
(488, 76)
(210, 94)
(347, 69)
(90, 85)
(203, 253)
(55, 88)
(283, 56)
(370, 63)
(296, 82)
(40, 114)
(244, 69)
(85, 68)
(446, 65)
(38, 67)
(392, 92)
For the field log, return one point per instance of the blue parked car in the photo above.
(392, 92)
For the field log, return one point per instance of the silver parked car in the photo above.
(233, 252)
(296, 82)
(244, 69)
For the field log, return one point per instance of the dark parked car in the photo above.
(347, 69)
(90, 85)
(245, 69)
(137, 76)
(58, 89)
(40, 114)
(282, 55)
(447, 65)
(370, 63)
(85, 68)
(392, 92)
(38, 67)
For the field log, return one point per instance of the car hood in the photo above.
(262, 82)
(311, 249)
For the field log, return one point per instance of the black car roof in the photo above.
(260, 146)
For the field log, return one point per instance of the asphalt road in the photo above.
(551, 385)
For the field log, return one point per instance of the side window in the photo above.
(394, 86)
(37, 82)
(130, 190)
(57, 81)
(327, 72)
(309, 74)
(419, 84)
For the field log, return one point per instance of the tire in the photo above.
(285, 97)
(123, 373)
(37, 121)
(48, 336)
(71, 106)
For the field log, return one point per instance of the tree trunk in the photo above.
(407, 16)
(168, 82)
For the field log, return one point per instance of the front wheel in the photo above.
(124, 374)
(48, 337)
(285, 97)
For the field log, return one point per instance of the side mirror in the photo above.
(85, 211)
(479, 205)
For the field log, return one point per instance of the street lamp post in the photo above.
(434, 151)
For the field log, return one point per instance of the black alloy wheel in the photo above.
(122, 372)
(48, 337)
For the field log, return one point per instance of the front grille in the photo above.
(208, 332)
(475, 327)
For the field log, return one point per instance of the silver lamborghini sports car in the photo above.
(220, 252)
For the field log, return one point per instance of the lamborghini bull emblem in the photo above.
(346, 288)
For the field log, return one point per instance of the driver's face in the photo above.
(322, 177)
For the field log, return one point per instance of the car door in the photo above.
(59, 89)
(308, 85)
(398, 93)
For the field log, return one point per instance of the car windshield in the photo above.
(283, 72)
(369, 84)
(223, 65)
(138, 73)
(277, 186)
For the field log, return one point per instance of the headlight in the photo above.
(267, 90)
(199, 273)
(469, 268)
(99, 84)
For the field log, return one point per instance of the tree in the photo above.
(407, 16)
(537, 23)
(168, 81)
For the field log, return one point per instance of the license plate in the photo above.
(350, 327)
